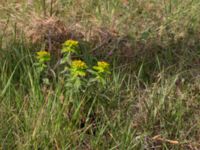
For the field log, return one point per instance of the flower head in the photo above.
(103, 64)
(71, 43)
(102, 67)
(69, 46)
(79, 64)
(78, 68)
(43, 56)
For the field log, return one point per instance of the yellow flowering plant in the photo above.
(100, 71)
(43, 57)
(102, 67)
(75, 72)
(70, 46)
(78, 68)
(76, 75)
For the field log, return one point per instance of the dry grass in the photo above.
(148, 25)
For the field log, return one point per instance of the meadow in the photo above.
(100, 74)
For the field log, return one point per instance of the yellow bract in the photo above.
(103, 64)
(42, 54)
(79, 64)
(70, 46)
(78, 68)
(71, 43)
(102, 67)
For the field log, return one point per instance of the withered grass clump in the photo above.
(41, 29)
(50, 30)
(53, 31)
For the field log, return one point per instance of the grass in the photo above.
(151, 100)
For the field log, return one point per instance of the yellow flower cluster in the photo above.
(43, 55)
(79, 64)
(103, 64)
(69, 46)
(102, 67)
(71, 43)
(78, 68)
